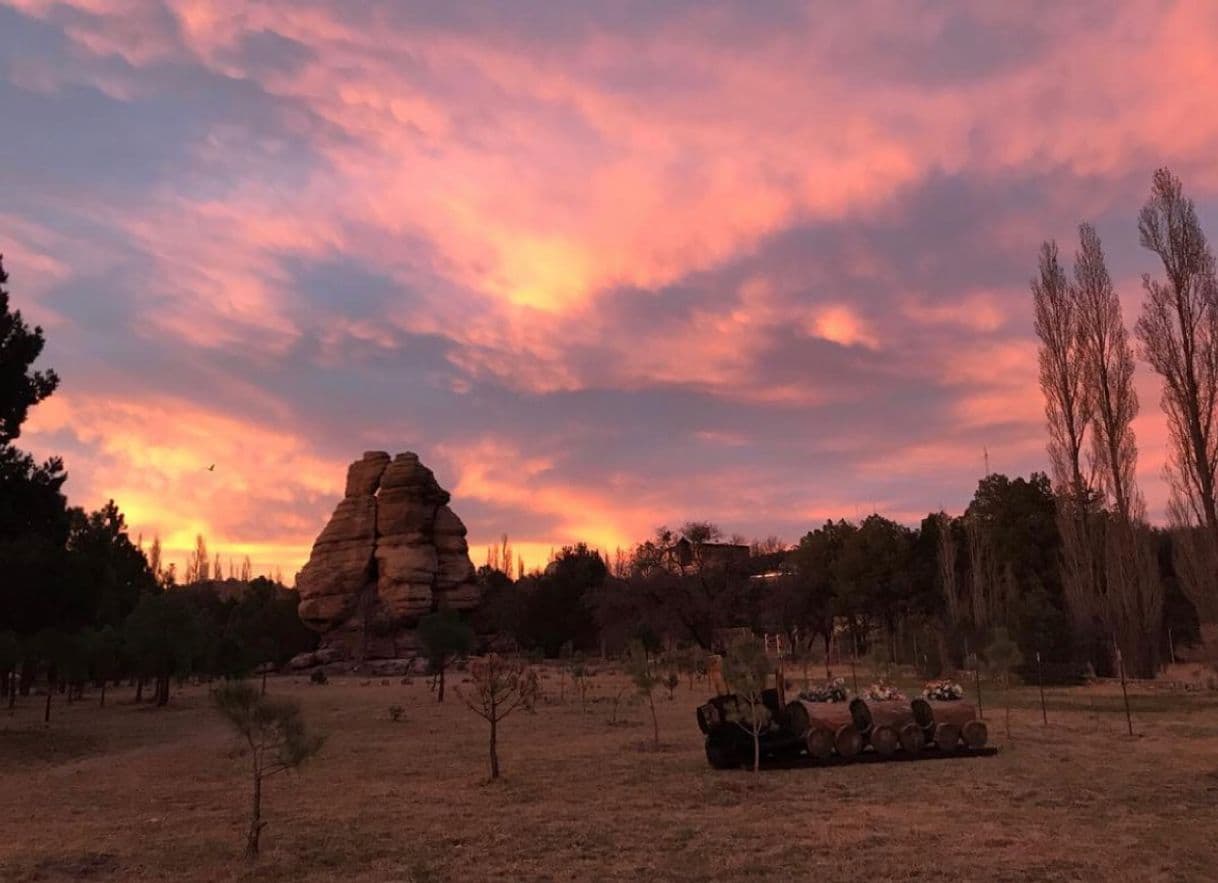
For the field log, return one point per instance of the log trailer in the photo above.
(839, 731)
(827, 732)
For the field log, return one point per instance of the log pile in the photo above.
(845, 730)
(950, 724)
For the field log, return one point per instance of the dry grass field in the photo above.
(138, 793)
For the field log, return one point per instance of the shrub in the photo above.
(639, 667)
(275, 737)
(500, 687)
(745, 669)
(444, 636)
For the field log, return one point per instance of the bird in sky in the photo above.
(211, 468)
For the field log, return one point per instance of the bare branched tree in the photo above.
(1132, 590)
(1195, 557)
(1178, 331)
(500, 687)
(1134, 597)
(1068, 408)
(1069, 411)
(1082, 534)
(767, 546)
(1105, 357)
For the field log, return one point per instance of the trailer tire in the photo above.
(721, 753)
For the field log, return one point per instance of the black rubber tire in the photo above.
(721, 753)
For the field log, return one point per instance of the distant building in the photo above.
(723, 555)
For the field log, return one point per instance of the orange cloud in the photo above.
(268, 496)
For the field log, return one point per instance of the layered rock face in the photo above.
(392, 552)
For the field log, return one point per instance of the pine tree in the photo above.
(20, 388)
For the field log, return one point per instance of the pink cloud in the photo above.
(531, 191)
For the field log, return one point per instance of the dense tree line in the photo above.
(933, 596)
(80, 602)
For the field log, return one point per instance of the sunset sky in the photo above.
(603, 266)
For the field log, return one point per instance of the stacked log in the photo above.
(975, 733)
(887, 726)
(947, 723)
(831, 727)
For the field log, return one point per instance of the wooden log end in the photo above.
(820, 743)
(947, 737)
(847, 740)
(796, 718)
(885, 740)
(923, 713)
(975, 734)
(912, 738)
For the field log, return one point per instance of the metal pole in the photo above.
(1040, 679)
(853, 659)
(1124, 691)
(977, 676)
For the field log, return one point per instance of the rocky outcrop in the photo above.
(392, 552)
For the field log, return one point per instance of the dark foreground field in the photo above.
(137, 793)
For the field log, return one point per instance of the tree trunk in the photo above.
(162, 691)
(103, 693)
(655, 724)
(46, 715)
(494, 749)
(139, 690)
(959, 715)
(27, 677)
(440, 694)
(264, 682)
(251, 840)
(755, 731)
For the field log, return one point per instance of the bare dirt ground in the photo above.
(138, 793)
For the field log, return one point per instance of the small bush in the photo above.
(319, 677)
(671, 681)
(396, 712)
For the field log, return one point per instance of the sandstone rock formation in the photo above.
(392, 552)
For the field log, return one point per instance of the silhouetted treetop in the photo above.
(20, 388)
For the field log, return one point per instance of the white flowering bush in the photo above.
(830, 691)
(943, 691)
(882, 692)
